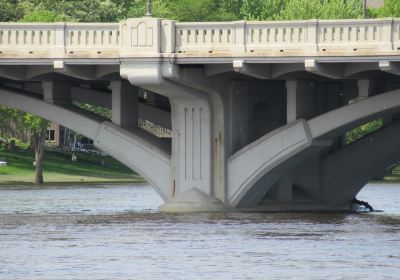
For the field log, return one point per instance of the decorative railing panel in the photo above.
(92, 37)
(278, 36)
(207, 37)
(156, 37)
(24, 37)
(354, 35)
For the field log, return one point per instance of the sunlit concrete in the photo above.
(258, 111)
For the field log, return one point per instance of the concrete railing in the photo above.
(152, 37)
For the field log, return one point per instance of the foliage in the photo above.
(102, 111)
(42, 16)
(262, 9)
(301, 9)
(6, 115)
(188, 10)
(9, 10)
(363, 130)
(339, 9)
(391, 8)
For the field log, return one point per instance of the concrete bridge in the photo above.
(258, 111)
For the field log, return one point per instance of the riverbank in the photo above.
(59, 168)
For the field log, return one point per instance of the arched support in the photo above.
(250, 164)
(345, 172)
(286, 146)
(137, 149)
(192, 131)
(341, 120)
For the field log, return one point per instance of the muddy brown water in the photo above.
(116, 232)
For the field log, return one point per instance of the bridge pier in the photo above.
(258, 111)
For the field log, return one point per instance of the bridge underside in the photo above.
(226, 134)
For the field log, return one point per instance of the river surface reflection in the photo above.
(115, 232)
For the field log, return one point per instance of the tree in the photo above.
(38, 128)
(9, 10)
(301, 9)
(42, 16)
(341, 9)
(262, 9)
(391, 8)
(6, 115)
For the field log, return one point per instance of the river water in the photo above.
(115, 232)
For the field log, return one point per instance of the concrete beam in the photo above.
(104, 71)
(36, 71)
(281, 69)
(215, 69)
(341, 120)
(12, 72)
(353, 69)
(83, 72)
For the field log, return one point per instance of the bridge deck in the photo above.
(151, 37)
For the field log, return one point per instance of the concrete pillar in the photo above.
(300, 100)
(124, 103)
(57, 92)
(367, 88)
(285, 189)
(239, 130)
(191, 146)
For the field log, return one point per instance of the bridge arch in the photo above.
(295, 142)
(347, 171)
(134, 148)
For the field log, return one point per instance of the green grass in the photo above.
(58, 168)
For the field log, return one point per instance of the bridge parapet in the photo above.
(157, 37)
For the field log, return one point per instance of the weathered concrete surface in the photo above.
(345, 172)
(137, 149)
(194, 200)
(257, 110)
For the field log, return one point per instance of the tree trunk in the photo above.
(39, 145)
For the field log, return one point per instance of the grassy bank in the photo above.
(59, 168)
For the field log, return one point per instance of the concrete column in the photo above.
(239, 130)
(57, 92)
(285, 190)
(191, 146)
(367, 88)
(300, 100)
(124, 103)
